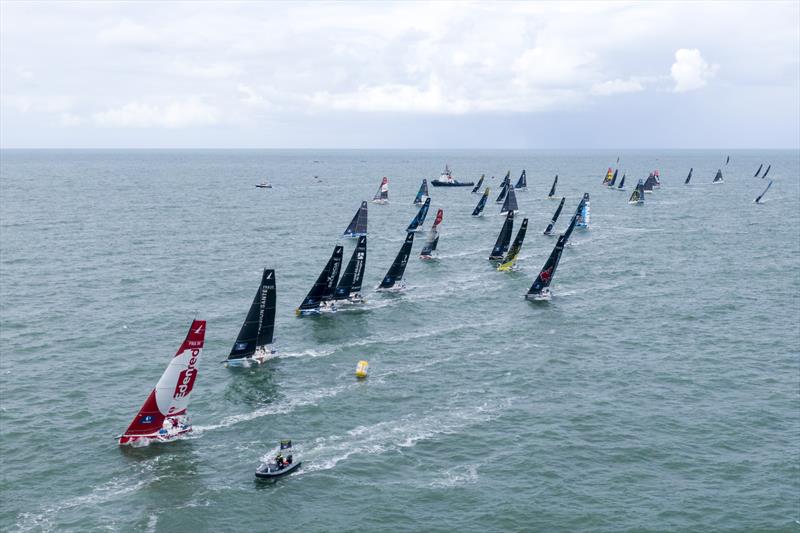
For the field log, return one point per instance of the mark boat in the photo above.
(279, 466)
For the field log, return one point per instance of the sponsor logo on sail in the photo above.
(186, 377)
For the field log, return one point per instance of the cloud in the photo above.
(127, 33)
(70, 119)
(617, 86)
(690, 71)
(172, 115)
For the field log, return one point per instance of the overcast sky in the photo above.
(400, 75)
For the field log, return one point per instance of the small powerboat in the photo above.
(273, 471)
(264, 185)
(447, 180)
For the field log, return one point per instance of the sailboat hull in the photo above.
(399, 286)
(543, 296)
(437, 183)
(258, 358)
(144, 440)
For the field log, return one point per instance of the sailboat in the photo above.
(481, 203)
(264, 185)
(621, 186)
(163, 417)
(416, 222)
(609, 175)
(510, 260)
(637, 196)
(718, 177)
(552, 192)
(501, 245)
(382, 195)
(433, 238)
(613, 178)
(393, 280)
(357, 226)
(320, 296)
(255, 337)
(522, 182)
(422, 193)
(766, 172)
(760, 196)
(348, 291)
(728, 160)
(540, 289)
(549, 229)
(650, 183)
(503, 192)
(583, 212)
(511, 202)
(689, 177)
(478, 186)
(758, 171)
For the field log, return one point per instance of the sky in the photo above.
(547, 75)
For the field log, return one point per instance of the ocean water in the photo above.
(658, 390)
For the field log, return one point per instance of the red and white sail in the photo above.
(439, 215)
(163, 414)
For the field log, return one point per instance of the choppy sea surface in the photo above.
(658, 390)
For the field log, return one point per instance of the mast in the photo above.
(422, 193)
(501, 245)
(766, 172)
(358, 226)
(170, 397)
(395, 273)
(323, 288)
(481, 203)
(419, 219)
(433, 237)
(549, 229)
(689, 177)
(622, 182)
(511, 202)
(758, 171)
(478, 186)
(513, 252)
(522, 182)
(350, 282)
(758, 200)
(553, 187)
(259, 324)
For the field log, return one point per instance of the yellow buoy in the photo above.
(362, 369)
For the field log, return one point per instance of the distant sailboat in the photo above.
(419, 219)
(621, 186)
(348, 291)
(357, 226)
(760, 196)
(689, 177)
(393, 280)
(501, 245)
(583, 212)
(718, 177)
(652, 182)
(255, 336)
(522, 182)
(552, 192)
(766, 172)
(637, 196)
(549, 229)
(511, 202)
(613, 178)
(609, 176)
(382, 195)
(504, 187)
(758, 171)
(422, 193)
(163, 416)
(728, 160)
(478, 186)
(433, 238)
(510, 260)
(320, 296)
(481, 203)
(540, 290)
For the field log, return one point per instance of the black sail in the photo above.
(545, 276)
(553, 187)
(689, 177)
(522, 182)
(480, 182)
(622, 182)
(549, 230)
(511, 202)
(650, 182)
(766, 172)
(358, 226)
(326, 282)
(397, 269)
(259, 324)
(350, 282)
(419, 219)
(481, 203)
(637, 196)
(501, 245)
(758, 200)
(503, 191)
(513, 252)
(758, 171)
(718, 176)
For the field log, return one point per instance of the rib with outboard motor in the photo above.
(419, 218)
(501, 245)
(382, 195)
(510, 203)
(422, 193)
(393, 280)
(510, 260)
(348, 291)
(481, 203)
(252, 345)
(428, 251)
(163, 417)
(358, 226)
(549, 229)
(478, 186)
(552, 192)
(320, 296)
(279, 466)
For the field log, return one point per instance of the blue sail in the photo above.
(420, 218)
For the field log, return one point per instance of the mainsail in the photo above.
(358, 226)
(583, 212)
(395, 273)
(481, 203)
(511, 257)
(766, 172)
(323, 288)
(728, 160)
(478, 186)
(501, 245)
(511, 202)
(433, 237)
(650, 183)
(165, 407)
(758, 200)
(689, 177)
(613, 178)
(609, 174)
(503, 191)
(417, 221)
(549, 229)
(621, 182)
(259, 324)
(522, 182)
(553, 187)
(540, 288)
(718, 177)
(382, 195)
(637, 196)
(422, 193)
(758, 171)
(350, 282)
